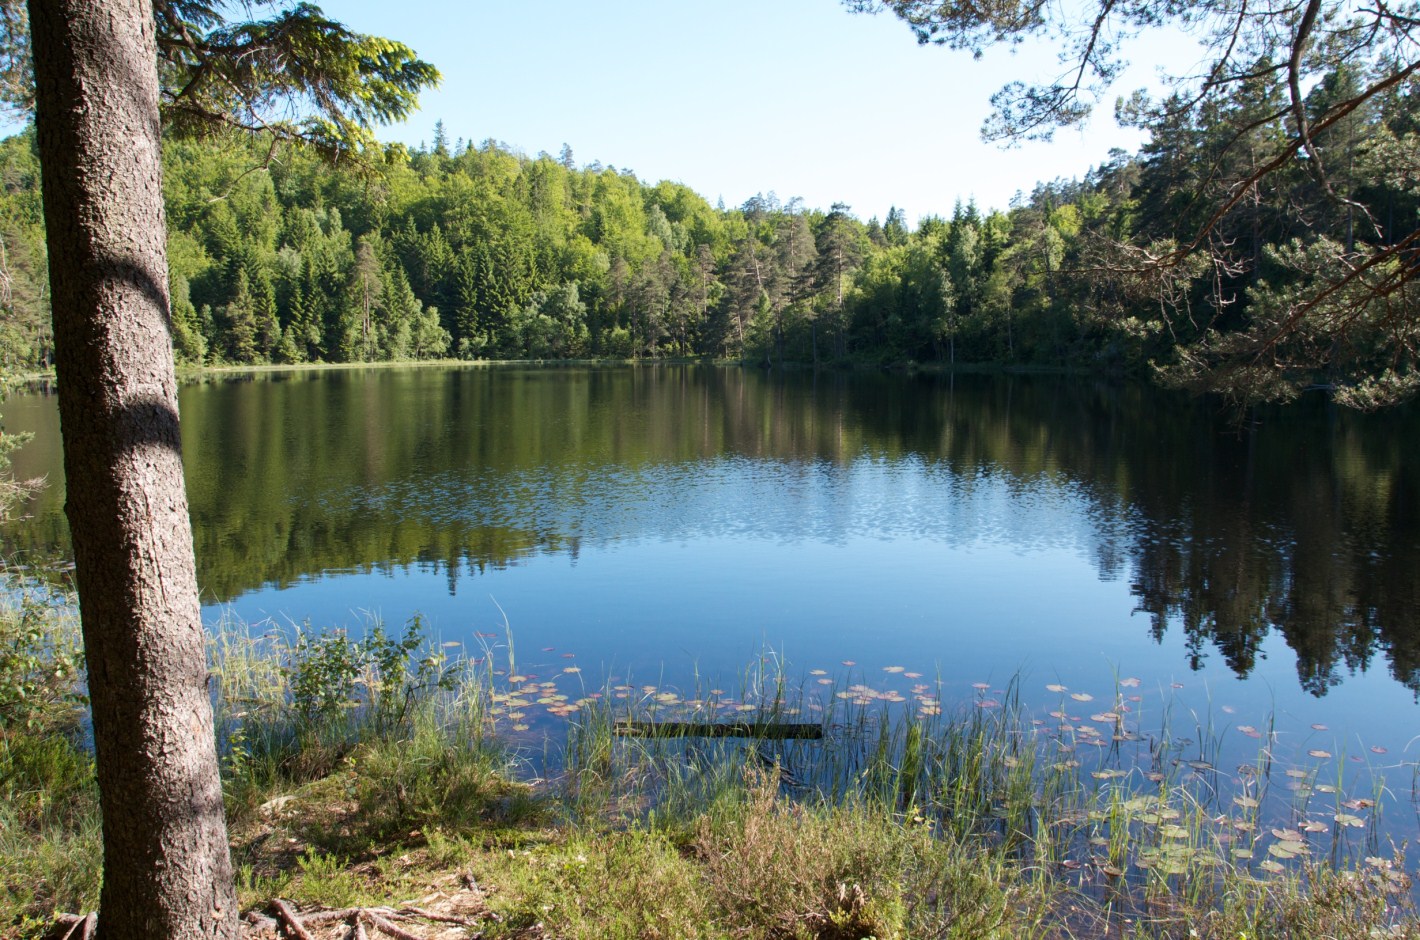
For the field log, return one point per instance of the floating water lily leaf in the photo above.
(981, 686)
(1056, 687)
(1286, 850)
(1242, 853)
(1109, 774)
(1319, 753)
(1111, 870)
(1314, 826)
(520, 727)
(1200, 765)
(1287, 835)
(849, 662)
(518, 679)
(818, 672)
(1346, 819)
(1298, 773)
(825, 682)
(1359, 803)
(894, 669)
(1325, 788)
(450, 644)
(1105, 716)
(987, 703)
(1130, 683)
(1250, 731)
(1229, 710)
(1377, 749)
(1173, 832)
(1246, 802)
(1178, 685)
(548, 649)
(1320, 728)
(1082, 696)
(1271, 866)
(913, 675)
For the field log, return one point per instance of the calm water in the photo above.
(655, 523)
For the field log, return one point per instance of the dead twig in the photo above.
(358, 918)
(291, 921)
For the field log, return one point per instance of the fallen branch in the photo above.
(79, 926)
(377, 918)
(292, 922)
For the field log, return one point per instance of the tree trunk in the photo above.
(167, 869)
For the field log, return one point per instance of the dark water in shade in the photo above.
(664, 522)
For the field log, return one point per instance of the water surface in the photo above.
(660, 523)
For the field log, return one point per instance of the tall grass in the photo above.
(49, 820)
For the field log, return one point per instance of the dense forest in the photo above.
(480, 252)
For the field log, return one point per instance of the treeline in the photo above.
(480, 252)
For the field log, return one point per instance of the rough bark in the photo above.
(167, 869)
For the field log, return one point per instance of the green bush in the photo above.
(40, 657)
(326, 674)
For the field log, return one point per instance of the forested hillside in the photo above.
(465, 251)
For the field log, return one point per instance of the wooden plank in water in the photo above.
(763, 730)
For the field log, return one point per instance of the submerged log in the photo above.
(763, 730)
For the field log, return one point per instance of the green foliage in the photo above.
(379, 679)
(40, 657)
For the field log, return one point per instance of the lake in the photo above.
(680, 524)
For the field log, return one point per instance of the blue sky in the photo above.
(735, 97)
